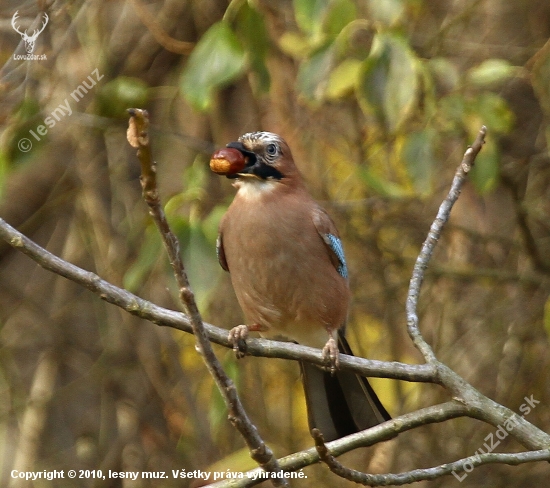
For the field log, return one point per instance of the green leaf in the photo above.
(444, 73)
(493, 111)
(387, 12)
(252, 32)
(484, 174)
(211, 224)
(21, 146)
(451, 111)
(380, 185)
(218, 59)
(120, 94)
(28, 108)
(388, 81)
(417, 153)
(195, 178)
(314, 73)
(201, 263)
(340, 14)
(310, 14)
(295, 45)
(427, 90)
(491, 72)
(148, 255)
(343, 79)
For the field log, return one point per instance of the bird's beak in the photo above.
(250, 158)
(255, 167)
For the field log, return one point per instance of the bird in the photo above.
(288, 269)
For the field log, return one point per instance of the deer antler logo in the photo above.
(29, 40)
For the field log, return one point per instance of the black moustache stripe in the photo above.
(266, 171)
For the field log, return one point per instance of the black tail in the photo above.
(340, 404)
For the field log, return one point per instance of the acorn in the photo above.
(227, 161)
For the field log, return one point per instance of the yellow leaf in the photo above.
(343, 79)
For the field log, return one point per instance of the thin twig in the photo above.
(482, 408)
(477, 405)
(425, 416)
(467, 401)
(138, 136)
(146, 310)
(369, 437)
(430, 242)
(425, 474)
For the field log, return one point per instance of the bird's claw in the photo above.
(331, 355)
(237, 336)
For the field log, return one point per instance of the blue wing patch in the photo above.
(336, 245)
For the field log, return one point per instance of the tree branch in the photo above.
(369, 437)
(467, 401)
(138, 136)
(147, 310)
(382, 432)
(430, 242)
(425, 474)
(477, 405)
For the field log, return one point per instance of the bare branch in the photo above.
(138, 136)
(425, 474)
(383, 432)
(369, 437)
(481, 407)
(161, 316)
(467, 401)
(430, 242)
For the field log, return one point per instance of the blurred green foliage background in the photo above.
(378, 100)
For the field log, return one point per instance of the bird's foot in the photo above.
(331, 355)
(238, 335)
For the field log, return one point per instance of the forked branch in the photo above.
(467, 401)
(138, 136)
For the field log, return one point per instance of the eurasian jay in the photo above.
(289, 272)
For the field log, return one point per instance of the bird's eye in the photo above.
(271, 149)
